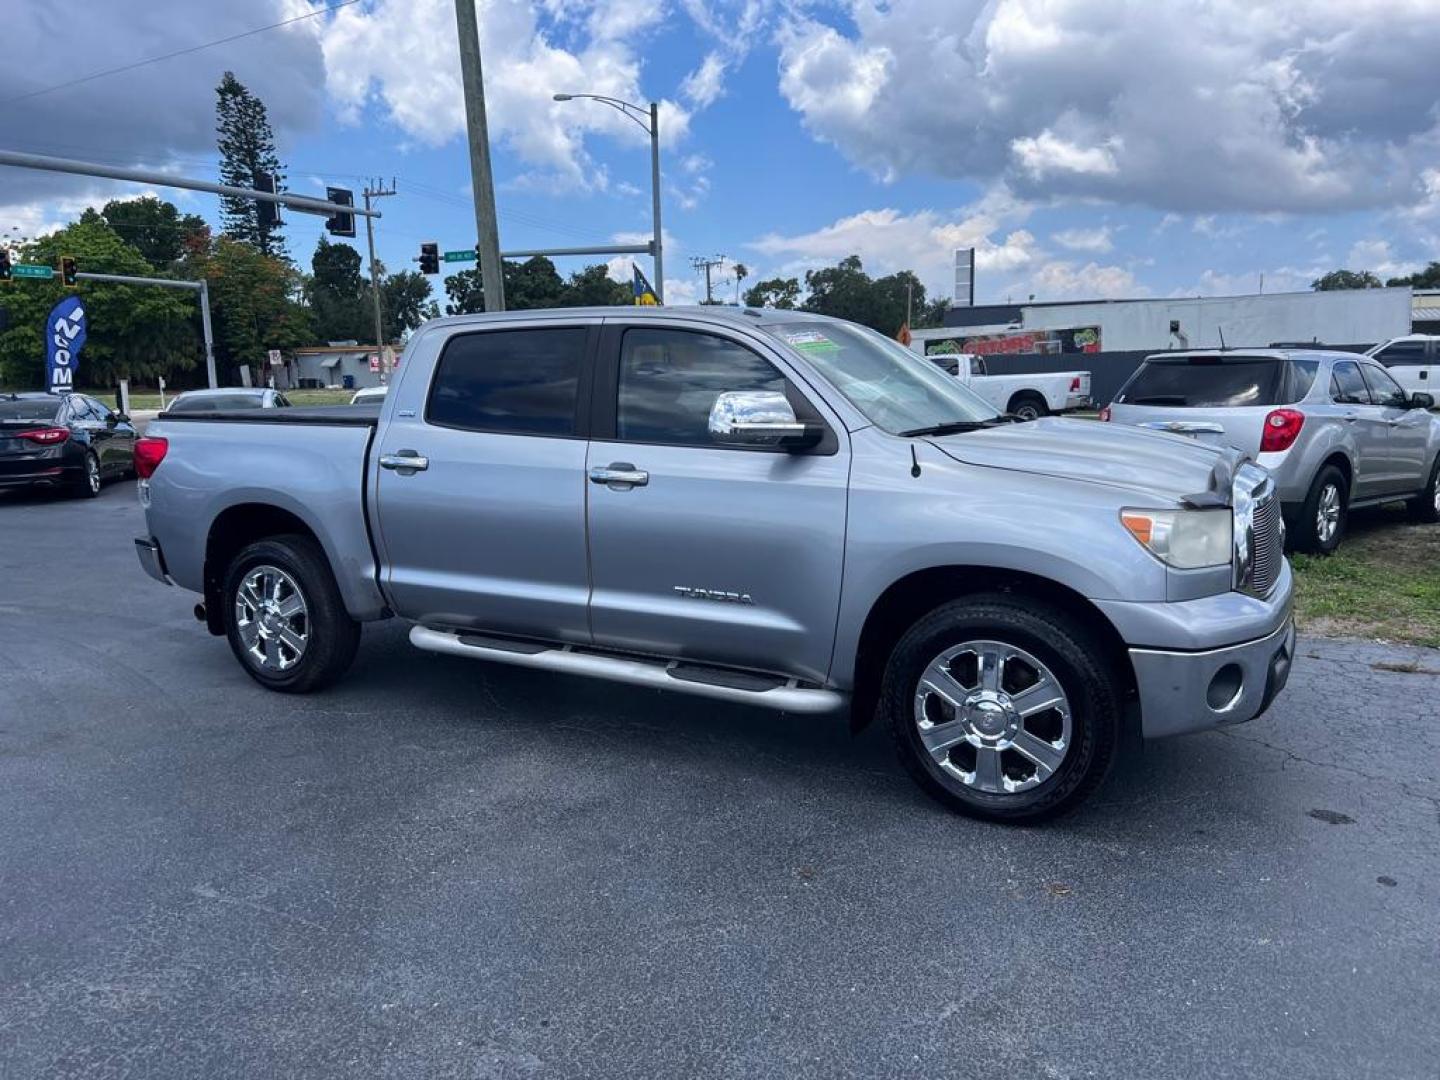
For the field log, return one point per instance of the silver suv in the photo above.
(1335, 429)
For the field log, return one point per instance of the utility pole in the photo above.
(707, 265)
(377, 190)
(487, 231)
(655, 201)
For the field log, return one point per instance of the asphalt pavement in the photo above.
(444, 868)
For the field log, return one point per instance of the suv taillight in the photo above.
(1105, 414)
(1282, 428)
(149, 452)
(46, 436)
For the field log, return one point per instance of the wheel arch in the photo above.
(1026, 394)
(918, 592)
(235, 528)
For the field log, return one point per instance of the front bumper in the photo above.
(1182, 692)
(152, 561)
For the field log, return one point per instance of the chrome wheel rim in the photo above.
(993, 717)
(92, 474)
(273, 618)
(1435, 492)
(1327, 514)
(1027, 413)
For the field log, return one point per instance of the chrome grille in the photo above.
(1268, 548)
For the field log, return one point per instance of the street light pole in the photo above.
(487, 231)
(637, 113)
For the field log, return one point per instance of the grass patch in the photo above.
(151, 400)
(1383, 582)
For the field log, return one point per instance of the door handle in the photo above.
(619, 472)
(406, 461)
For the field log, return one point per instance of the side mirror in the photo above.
(119, 418)
(759, 418)
(1419, 400)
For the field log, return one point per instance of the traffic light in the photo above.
(67, 271)
(340, 223)
(267, 213)
(4, 264)
(430, 258)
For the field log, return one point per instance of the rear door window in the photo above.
(1402, 353)
(1346, 385)
(1383, 389)
(1208, 382)
(517, 382)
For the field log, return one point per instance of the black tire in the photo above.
(1307, 535)
(1028, 405)
(90, 480)
(1425, 507)
(1086, 675)
(332, 636)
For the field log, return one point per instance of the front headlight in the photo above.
(1184, 539)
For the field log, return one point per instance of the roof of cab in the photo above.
(714, 313)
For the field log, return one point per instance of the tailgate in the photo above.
(1237, 427)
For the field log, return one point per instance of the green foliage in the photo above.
(1346, 279)
(405, 303)
(536, 283)
(339, 297)
(247, 146)
(255, 299)
(1429, 278)
(845, 291)
(134, 331)
(153, 227)
(773, 292)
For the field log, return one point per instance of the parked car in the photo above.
(1334, 428)
(773, 508)
(369, 395)
(1413, 361)
(1026, 397)
(234, 397)
(69, 440)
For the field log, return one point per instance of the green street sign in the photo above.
(450, 256)
(29, 270)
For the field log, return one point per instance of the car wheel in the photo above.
(1028, 407)
(1002, 710)
(1426, 506)
(284, 616)
(88, 485)
(1323, 516)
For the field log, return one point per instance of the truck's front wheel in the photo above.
(284, 616)
(1001, 709)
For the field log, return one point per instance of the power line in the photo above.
(178, 52)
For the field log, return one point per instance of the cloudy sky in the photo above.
(1085, 147)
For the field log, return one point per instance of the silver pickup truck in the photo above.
(765, 507)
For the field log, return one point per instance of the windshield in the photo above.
(205, 402)
(898, 390)
(28, 409)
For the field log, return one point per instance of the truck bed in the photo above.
(344, 415)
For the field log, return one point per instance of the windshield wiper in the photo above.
(953, 427)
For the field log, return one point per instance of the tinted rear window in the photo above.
(29, 409)
(1214, 382)
(524, 382)
(215, 401)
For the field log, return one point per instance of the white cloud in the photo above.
(1060, 279)
(1375, 255)
(1100, 240)
(1184, 105)
(705, 84)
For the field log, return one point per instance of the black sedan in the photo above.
(70, 441)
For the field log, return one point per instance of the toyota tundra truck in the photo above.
(767, 507)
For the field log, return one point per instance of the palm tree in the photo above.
(741, 273)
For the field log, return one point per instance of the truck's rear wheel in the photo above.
(284, 616)
(1002, 710)
(1028, 406)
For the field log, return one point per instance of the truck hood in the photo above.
(1167, 467)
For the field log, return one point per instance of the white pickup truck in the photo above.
(1027, 397)
(1413, 361)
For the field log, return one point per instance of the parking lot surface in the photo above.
(443, 868)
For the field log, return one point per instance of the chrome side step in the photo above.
(689, 678)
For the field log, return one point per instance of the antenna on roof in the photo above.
(1221, 331)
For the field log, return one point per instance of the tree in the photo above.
(134, 331)
(247, 147)
(1429, 278)
(536, 283)
(845, 291)
(1346, 279)
(257, 302)
(153, 227)
(773, 292)
(405, 303)
(338, 295)
(741, 273)
(594, 287)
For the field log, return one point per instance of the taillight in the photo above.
(149, 452)
(1075, 384)
(1105, 414)
(1282, 428)
(46, 436)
